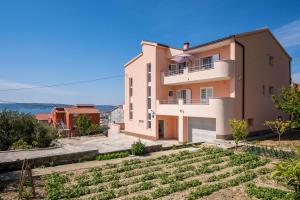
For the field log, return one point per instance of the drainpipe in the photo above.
(243, 75)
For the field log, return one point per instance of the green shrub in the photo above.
(268, 193)
(109, 156)
(138, 148)
(83, 124)
(18, 128)
(21, 144)
(239, 130)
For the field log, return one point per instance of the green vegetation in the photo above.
(83, 124)
(20, 130)
(161, 176)
(289, 102)
(138, 148)
(268, 193)
(289, 172)
(239, 130)
(109, 156)
(278, 126)
(269, 151)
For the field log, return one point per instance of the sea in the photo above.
(35, 108)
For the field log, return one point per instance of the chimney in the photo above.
(186, 45)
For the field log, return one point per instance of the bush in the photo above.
(83, 124)
(23, 129)
(109, 156)
(21, 144)
(239, 130)
(289, 171)
(138, 148)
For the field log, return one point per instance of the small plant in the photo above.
(138, 148)
(268, 193)
(278, 126)
(239, 130)
(289, 171)
(21, 144)
(109, 156)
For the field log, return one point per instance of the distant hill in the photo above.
(35, 108)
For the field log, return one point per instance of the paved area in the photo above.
(115, 142)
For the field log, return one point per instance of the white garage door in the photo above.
(201, 129)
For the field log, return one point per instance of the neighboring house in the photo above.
(65, 117)
(189, 94)
(117, 115)
(43, 117)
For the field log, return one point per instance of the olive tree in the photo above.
(83, 124)
(239, 130)
(278, 126)
(288, 101)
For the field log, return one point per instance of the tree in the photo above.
(278, 126)
(289, 171)
(83, 124)
(288, 101)
(239, 130)
(21, 129)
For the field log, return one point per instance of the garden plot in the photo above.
(205, 173)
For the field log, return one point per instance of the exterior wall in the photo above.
(223, 51)
(170, 126)
(137, 70)
(258, 72)
(220, 89)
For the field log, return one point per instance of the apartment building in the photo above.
(190, 93)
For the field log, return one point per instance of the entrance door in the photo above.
(161, 128)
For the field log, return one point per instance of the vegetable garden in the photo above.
(183, 175)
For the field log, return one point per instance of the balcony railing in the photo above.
(216, 71)
(185, 101)
(193, 68)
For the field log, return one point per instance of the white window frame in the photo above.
(206, 101)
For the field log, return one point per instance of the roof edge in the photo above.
(133, 59)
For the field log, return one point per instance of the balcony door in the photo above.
(185, 94)
(205, 94)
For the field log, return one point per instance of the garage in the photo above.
(200, 129)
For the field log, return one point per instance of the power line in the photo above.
(63, 84)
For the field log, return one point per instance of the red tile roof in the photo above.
(42, 116)
(82, 110)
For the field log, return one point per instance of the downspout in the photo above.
(243, 76)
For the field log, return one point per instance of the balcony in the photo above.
(214, 108)
(221, 70)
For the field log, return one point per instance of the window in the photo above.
(171, 93)
(271, 90)
(206, 94)
(149, 95)
(250, 121)
(263, 90)
(271, 60)
(130, 98)
(208, 62)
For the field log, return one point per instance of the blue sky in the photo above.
(56, 41)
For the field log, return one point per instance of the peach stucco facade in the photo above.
(191, 93)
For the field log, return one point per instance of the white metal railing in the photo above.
(169, 101)
(201, 68)
(174, 72)
(185, 101)
(193, 68)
